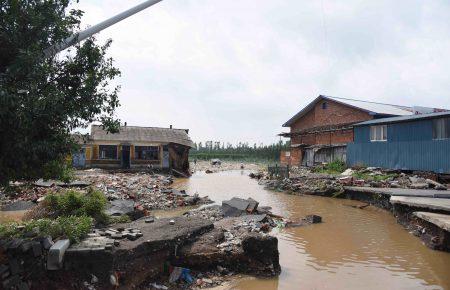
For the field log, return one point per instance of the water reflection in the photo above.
(351, 249)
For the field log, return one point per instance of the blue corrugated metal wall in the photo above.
(410, 146)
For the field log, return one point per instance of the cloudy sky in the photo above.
(236, 70)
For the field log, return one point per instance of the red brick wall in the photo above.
(294, 159)
(305, 122)
(334, 114)
(342, 136)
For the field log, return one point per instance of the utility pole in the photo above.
(74, 39)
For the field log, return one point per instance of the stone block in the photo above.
(37, 249)
(15, 244)
(47, 243)
(26, 246)
(313, 219)
(56, 254)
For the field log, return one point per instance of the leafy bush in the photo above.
(74, 203)
(71, 227)
(58, 169)
(334, 167)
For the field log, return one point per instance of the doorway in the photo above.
(126, 156)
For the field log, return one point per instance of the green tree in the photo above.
(42, 99)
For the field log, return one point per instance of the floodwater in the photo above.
(352, 249)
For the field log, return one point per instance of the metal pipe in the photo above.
(71, 40)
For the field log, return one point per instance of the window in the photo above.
(441, 128)
(146, 152)
(107, 151)
(378, 133)
(324, 105)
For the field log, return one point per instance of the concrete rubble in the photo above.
(151, 191)
(128, 193)
(305, 181)
(203, 248)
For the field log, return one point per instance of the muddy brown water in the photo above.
(352, 249)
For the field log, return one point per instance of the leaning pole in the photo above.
(71, 40)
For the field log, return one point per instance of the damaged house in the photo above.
(135, 147)
(320, 132)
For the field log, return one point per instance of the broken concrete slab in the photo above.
(238, 206)
(253, 205)
(441, 204)
(45, 183)
(440, 220)
(120, 207)
(436, 185)
(56, 254)
(142, 258)
(256, 218)
(402, 191)
(235, 207)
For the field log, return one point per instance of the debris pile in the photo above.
(151, 191)
(306, 181)
(129, 193)
(35, 192)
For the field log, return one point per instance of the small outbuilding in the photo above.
(135, 147)
(417, 142)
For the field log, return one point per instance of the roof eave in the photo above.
(303, 111)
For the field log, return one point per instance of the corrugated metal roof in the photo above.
(143, 134)
(375, 108)
(404, 118)
(369, 107)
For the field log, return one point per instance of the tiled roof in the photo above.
(372, 108)
(143, 134)
(404, 118)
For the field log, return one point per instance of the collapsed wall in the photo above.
(104, 263)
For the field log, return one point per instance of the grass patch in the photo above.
(335, 167)
(376, 177)
(70, 227)
(119, 219)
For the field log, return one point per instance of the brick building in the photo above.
(320, 131)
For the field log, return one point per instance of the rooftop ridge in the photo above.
(148, 127)
(378, 103)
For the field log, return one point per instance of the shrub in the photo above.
(71, 227)
(58, 169)
(334, 167)
(74, 203)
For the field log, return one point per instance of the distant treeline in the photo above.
(241, 151)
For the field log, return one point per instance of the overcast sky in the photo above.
(237, 70)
